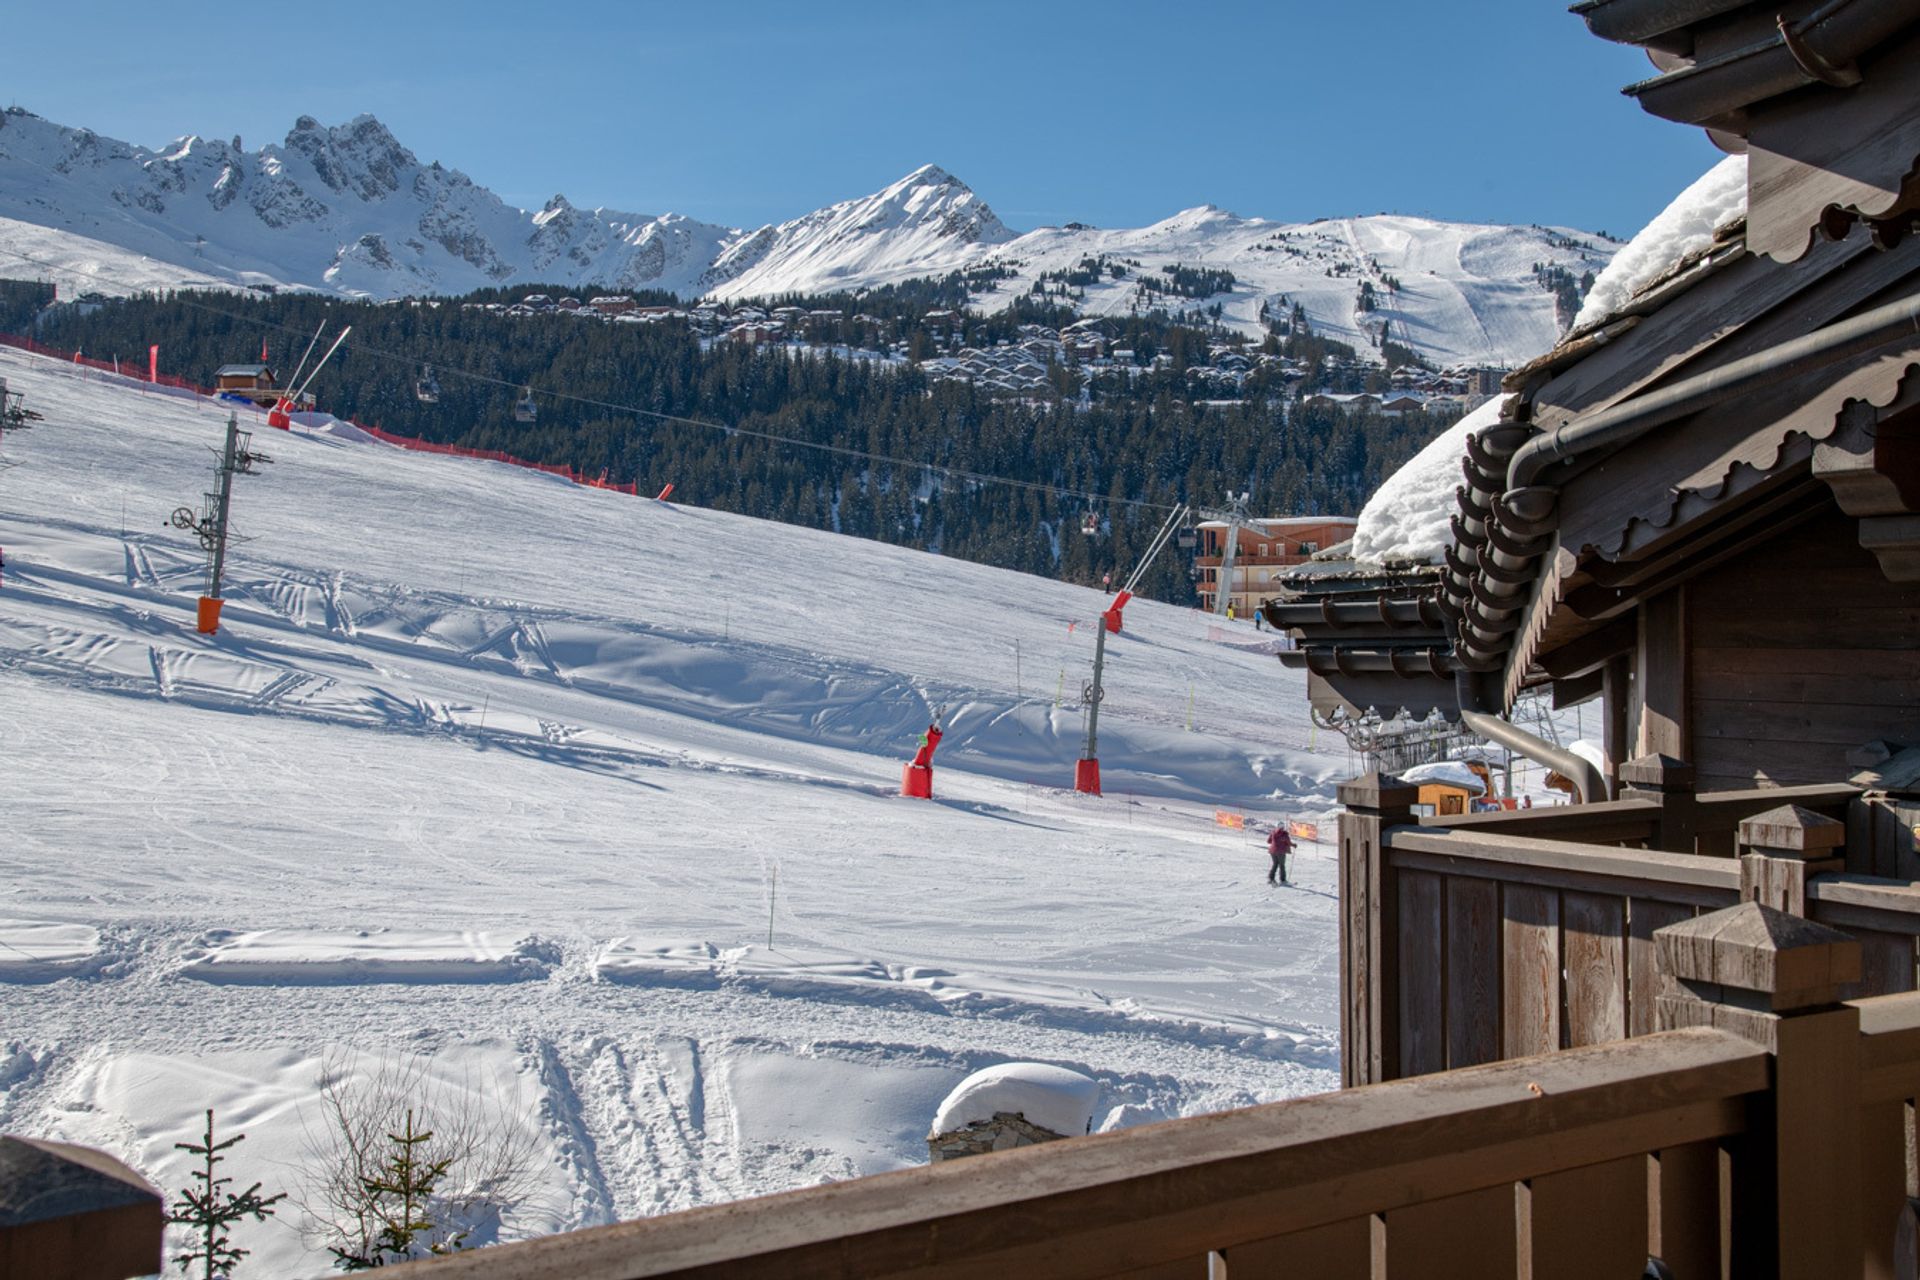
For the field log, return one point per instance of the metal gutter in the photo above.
(1630, 421)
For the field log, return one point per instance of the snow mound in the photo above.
(1686, 226)
(1051, 1097)
(1406, 519)
(312, 956)
(34, 951)
(1592, 752)
(1453, 773)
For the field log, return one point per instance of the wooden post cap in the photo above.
(1657, 773)
(1791, 831)
(1378, 791)
(79, 1213)
(1794, 961)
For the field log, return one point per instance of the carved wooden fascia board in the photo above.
(1821, 160)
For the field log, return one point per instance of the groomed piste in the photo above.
(589, 803)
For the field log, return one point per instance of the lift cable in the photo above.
(845, 451)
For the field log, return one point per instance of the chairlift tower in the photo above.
(1235, 518)
(210, 524)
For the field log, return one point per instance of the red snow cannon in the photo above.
(281, 415)
(1112, 617)
(916, 776)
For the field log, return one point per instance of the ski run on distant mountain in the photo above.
(350, 210)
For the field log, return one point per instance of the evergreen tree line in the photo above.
(1143, 442)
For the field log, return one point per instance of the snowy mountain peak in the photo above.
(348, 208)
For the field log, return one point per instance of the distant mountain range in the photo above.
(349, 209)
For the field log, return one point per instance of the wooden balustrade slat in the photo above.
(1473, 971)
(1588, 1223)
(1644, 915)
(1688, 1226)
(1433, 1239)
(1883, 1181)
(1338, 1251)
(1178, 1269)
(1423, 1033)
(1530, 970)
(1090, 1207)
(1594, 936)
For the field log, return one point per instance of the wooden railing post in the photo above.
(1671, 783)
(1775, 979)
(1369, 926)
(73, 1213)
(1782, 849)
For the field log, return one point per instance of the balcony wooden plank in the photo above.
(1428, 1241)
(1689, 1215)
(1338, 1251)
(1530, 970)
(1588, 1223)
(1090, 1207)
(1644, 916)
(1595, 929)
(1473, 971)
(1423, 1005)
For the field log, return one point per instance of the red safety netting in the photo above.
(132, 372)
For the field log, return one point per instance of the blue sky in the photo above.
(1112, 113)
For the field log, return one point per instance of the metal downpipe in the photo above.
(1588, 781)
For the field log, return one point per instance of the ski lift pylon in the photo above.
(524, 409)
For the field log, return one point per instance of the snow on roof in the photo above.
(1271, 523)
(1684, 227)
(1406, 519)
(1453, 773)
(1051, 1097)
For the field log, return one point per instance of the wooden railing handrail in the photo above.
(1723, 810)
(1848, 900)
(1889, 1047)
(1161, 1193)
(1681, 877)
(1604, 822)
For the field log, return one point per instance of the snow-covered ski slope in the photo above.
(519, 777)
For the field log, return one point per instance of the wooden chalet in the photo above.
(1672, 1031)
(253, 382)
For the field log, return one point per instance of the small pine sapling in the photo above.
(208, 1208)
(401, 1190)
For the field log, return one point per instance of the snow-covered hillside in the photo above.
(350, 209)
(588, 804)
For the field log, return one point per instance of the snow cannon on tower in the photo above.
(1086, 770)
(916, 776)
(280, 417)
